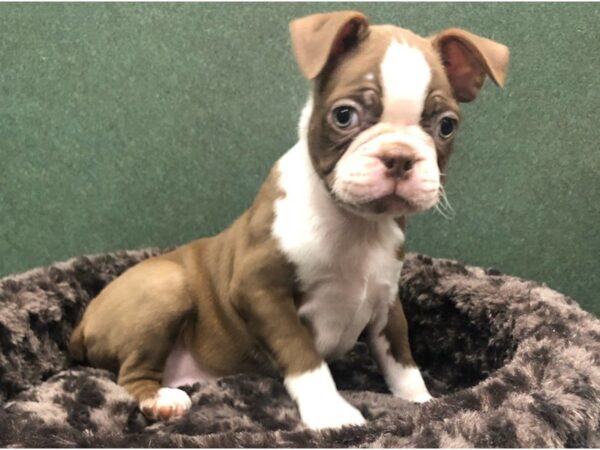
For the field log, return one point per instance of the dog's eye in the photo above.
(447, 126)
(345, 117)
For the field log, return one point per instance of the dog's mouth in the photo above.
(390, 204)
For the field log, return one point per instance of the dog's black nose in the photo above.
(399, 165)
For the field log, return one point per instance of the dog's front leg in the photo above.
(388, 339)
(274, 320)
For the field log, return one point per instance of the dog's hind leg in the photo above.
(133, 325)
(141, 375)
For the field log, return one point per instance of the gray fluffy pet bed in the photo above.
(511, 362)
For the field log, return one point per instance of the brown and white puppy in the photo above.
(316, 259)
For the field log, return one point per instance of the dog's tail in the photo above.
(76, 344)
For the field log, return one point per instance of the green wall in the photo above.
(130, 125)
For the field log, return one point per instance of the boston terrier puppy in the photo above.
(316, 259)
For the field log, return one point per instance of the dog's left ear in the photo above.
(467, 58)
(319, 38)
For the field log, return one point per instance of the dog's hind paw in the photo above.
(167, 403)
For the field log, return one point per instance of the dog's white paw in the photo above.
(408, 384)
(319, 402)
(167, 403)
(421, 397)
(334, 412)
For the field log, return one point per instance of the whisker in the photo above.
(444, 198)
(441, 212)
(443, 205)
(448, 205)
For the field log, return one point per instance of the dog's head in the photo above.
(385, 106)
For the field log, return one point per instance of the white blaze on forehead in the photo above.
(405, 76)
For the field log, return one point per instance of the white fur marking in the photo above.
(305, 118)
(405, 76)
(346, 265)
(319, 402)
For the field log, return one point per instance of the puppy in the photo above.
(316, 259)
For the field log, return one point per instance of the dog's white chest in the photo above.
(346, 297)
(347, 269)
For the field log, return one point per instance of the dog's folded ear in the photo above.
(467, 58)
(320, 38)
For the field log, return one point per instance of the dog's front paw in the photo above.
(334, 412)
(419, 397)
(408, 384)
(167, 403)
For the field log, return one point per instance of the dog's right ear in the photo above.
(318, 38)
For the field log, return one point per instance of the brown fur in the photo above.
(218, 295)
(396, 333)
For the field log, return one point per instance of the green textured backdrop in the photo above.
(130, 125)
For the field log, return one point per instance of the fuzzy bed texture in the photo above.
(511, 362)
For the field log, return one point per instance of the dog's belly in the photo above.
(182, 369)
